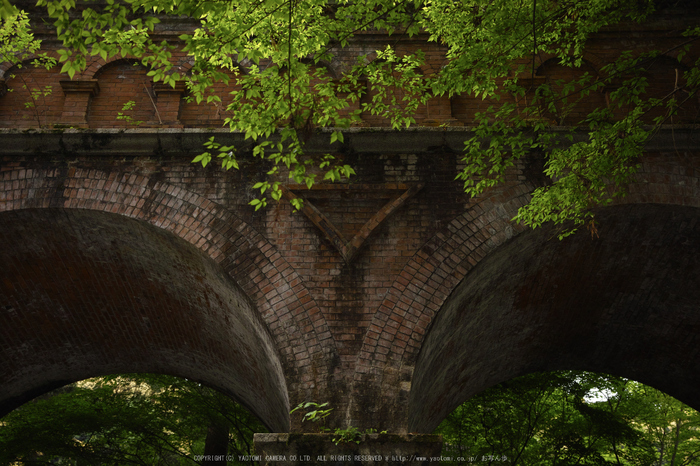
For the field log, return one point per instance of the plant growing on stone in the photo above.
(128, 107)
(37, 97)
(349, 434)
(321, 412)
(315, 412)
(19, 47)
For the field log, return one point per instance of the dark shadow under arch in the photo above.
(627, 303)
(86, 293)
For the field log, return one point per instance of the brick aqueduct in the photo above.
(394, 297)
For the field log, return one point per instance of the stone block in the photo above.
(369, 449)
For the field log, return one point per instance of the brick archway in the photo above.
(399, 327)
(99, 293)
(387, 363)
(625, 303)
(299, 331)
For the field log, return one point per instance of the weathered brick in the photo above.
(332, 321)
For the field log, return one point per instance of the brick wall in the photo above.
(120, 81)
(351, 332)
(394, 296)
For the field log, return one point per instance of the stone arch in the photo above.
(297, 326)
(97, 65)
(182, 64)
(331, 68)
(5, 66)
(99, 293)
(466, 106)
(625, 303)
(592, 60)
(390, 351)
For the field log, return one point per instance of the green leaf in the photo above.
(7, 10)
(204, 158)
(258, 203)
(337, 136)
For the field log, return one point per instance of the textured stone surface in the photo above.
(367, 450)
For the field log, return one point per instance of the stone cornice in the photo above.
(162, 88)
(85, 85)
(141, 142)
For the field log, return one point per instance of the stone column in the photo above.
(75, 105)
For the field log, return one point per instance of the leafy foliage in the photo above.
(16, 41)
(140, 419)
(572, 418)
(316, 413)
(123, 115)
(18, 47)
(279, 55)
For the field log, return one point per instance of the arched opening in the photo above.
(31, 95)
(571, 417)
(570, 93)
(126, 97)
(624, 303)
(140, 419)
(98, 293)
